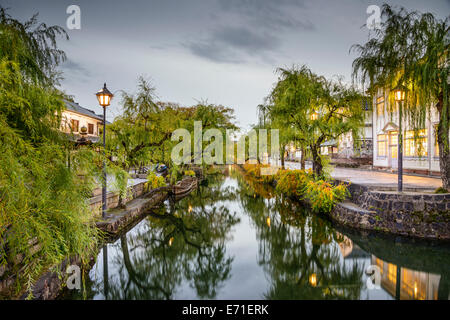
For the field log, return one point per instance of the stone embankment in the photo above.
(136, 205)
(414, 213)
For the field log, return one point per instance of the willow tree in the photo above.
(44, 216)
(141, 134)
(316, 109)
(411, 50)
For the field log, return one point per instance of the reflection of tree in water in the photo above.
(182, 242)
(298, 251)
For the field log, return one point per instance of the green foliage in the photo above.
(121, 182)
(411, 50)
(44, 215)
(293, 182)
(175, 174)
(441, 190)
(189, 173)
(155, 181)
(32, 45)
(43, 204)
(321, 195)
(309, 109)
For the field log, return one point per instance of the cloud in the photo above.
(75, 69)
(234, 45)
(272, 15)
(250, 29)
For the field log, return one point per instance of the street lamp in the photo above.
(399, 96)
(104, 97)
(314, 116)
(313, 279)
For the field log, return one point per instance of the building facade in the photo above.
(347, 148)
(76, 117)
(420, 153)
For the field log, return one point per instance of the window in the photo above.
(379, 263)
(416, 147)
(74, 124)
(392, 273)
(380, 105)
(381, 145)
(90, 128)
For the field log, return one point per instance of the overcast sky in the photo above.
(223, 51)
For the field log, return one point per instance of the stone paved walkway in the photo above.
(369, 177)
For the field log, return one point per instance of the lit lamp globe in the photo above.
(314, 116)
(83, 131)
(399, 94)
(104, 96)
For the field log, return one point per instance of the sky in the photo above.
(221, 51)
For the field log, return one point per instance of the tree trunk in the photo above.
(282, 156)
(303, 158)
(444, 154)
(443, 142)
(317, 162)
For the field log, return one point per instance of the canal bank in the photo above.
(234, 239)
(376, 205)
(138, 202)
(414, 212)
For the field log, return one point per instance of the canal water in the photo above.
(234, 239)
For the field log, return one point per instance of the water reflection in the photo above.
(234, 239)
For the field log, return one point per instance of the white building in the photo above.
(420, 155)
(75, 117)
(345, 147)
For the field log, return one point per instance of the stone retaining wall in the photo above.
(112, 198)
(416, 214)
(135, 209)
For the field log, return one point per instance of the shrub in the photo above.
(174, 172)
(189, 173)
(441, 190)
(322, 196)
(155, 181)
(293, 182)
(301, 184)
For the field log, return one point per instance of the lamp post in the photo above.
(399, 96)
(104, 97)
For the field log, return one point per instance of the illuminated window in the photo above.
(74, 124)
(381, 145)
(379, 263)
(380, 105)
(392, 273)
(412, 284)
(416, 147)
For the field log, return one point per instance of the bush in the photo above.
(322, 196)
(441, 190)
(43, 204)
(155, 181)
(189, 173)
(302, 185)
